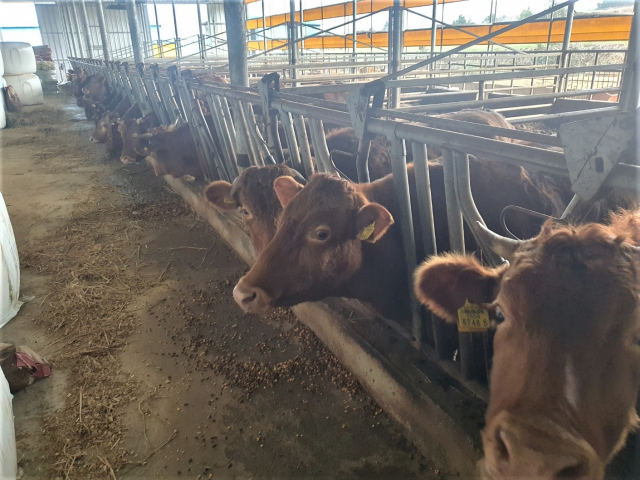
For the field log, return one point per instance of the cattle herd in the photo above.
(564, 305)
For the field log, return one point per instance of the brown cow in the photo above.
(102, 125)
(174, 149)
(114, 140)
(95, 91)
(566, 366)
(252, 196)
(296, 267)
(129, 131)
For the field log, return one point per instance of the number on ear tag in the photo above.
(473, 318)
(367, 232)
(228, 200)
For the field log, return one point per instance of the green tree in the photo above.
(614, 4)
(525, 13)
(461, 20)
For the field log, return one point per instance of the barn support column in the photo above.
(355, 34)
(394, 94)
(132, 17)
(74, 16)
(175, 27)
(293, 39)
(434, 30)
(203, 50)
(103, 31)
(85, 27)
(566, 40)
(264, 27)
(234, 18)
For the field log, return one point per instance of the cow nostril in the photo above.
(249, 298)
(580, 470)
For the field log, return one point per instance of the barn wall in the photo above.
(54, 33)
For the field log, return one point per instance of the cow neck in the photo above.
(382, 278)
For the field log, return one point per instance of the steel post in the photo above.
(175, 29)
(203, 50)
(566, 40)
(132, 17)
(434, 30)
(85, 28)
(77, 27)
(397, 50)
(355, 31)
(405, 218)
(293, 45)
(236, 42)
(103, 31)
(155, 11)
(264, 27)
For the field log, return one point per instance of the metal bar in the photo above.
(228, 149)
(264, 27)
(293, 45)
(405, 218)
(160, 46)
(425, 205)
(394, 94)
(355, 30)
(476, 41)
(85, 27)
(434, 28)
(175, 28)
(303, 142)
(104, 37)
(202, 48)
(320, 150)
(243, 145)
(630, 95)
(294, 152)
(77, 26)
(566, 40)
(66, 16)
(132, 17)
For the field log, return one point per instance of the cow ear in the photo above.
(372, 222)
(219, 194)
(286, 188)
(445, 283)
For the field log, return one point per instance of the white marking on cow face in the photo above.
(571, 383)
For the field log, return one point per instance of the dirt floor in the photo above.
(157, 373)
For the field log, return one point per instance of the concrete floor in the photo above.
(210, 392)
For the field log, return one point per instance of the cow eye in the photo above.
(245, 212)
(499, 315)
(322, 234)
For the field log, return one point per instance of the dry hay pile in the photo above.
(88, 323)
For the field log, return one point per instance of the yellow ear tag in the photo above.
(367, 232)
(473, 318)
(228, 200)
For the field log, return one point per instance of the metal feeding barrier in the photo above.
(243, 125)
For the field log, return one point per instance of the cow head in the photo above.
(130, 131)
(566, 367)
(253, 197)
(102, 126)
(318, 244)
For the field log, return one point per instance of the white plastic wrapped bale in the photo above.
(10, 274)
(28, 88)
(8, 452)
(1, 64)
(18, 58)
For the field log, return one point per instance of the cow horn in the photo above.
(298, 176)
(139, 121)
(143, 136)
(503, 246)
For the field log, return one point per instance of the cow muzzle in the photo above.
(518, 448)
(251, 299)
(127, 160)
